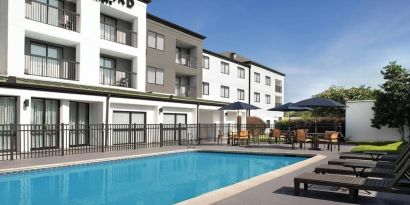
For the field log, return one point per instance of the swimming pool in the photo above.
(162, 179)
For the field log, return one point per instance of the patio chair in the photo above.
(277, 135)
(243, 136)
(334, 140)
(354, 184)
(301, 137)
(381, 164)
(326, 139)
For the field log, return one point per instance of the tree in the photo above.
(392, 106)
(342, 95)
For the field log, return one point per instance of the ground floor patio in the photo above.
(276, 191)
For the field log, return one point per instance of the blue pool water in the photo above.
(165, 179)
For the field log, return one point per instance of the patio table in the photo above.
(315, 140)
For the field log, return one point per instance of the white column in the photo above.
(65, 118)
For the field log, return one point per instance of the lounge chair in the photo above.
(354, 184)
(301, 137)
(371, 172)
(371, 155)
(381, 164)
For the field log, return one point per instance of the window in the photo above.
(183, 86)
(278, 86)
(205, 88)
(183, 56)
(79, 118)
(174, 119)
(205, 62)
(241, 94)
(44, 117)
(108, 28)
(155, 76)
(278, 101)
(7, 117)
(156, 40)
(257, 77)
(224, 91)
(225, 68)
(124, 121)
(257, 97)
(267, 99)
(267, 80)
(241, 72)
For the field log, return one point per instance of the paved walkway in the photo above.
(278, 191)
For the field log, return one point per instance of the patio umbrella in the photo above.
(318, 102)
(289, 107)
(239, 106)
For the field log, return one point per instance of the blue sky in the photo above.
(317, 43)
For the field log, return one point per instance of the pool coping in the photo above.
(206, 198)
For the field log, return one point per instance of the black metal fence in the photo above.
(34, 141)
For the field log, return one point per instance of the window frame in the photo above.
(224, 89)
(155, 75)
(203, 88)
(203, 62)
(268, 80)
(266, 99)
(225, 65)
(241, 94)
(256, 97)
(156, 40)
(257, 77)
(241, 71)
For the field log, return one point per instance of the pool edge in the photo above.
(231, 190)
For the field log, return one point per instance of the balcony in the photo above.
(113, 77)
(184, 57)
(278, 89)
(118, 35)
(51, 67)
(51, 15)
(185, 91)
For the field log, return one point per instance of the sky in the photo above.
(316, 43)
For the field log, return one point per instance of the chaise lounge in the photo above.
(354, 184)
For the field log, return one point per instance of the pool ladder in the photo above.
(191, 141)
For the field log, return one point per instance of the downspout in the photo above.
(248, 112)
(197, 124)
(107, 110)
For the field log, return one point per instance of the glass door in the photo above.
(108, 74)
(128, 127)
(108, 26)
(79, 124)
(45, 123)
(8, 114)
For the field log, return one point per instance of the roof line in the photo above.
(265, 67)
(225, 58)
(145, 1)
(175, 26)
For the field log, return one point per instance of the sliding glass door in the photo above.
(79, 124)
(45, 60)
(128, 126)
(45, 123)
(7, 119)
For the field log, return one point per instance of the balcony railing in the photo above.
(114, 77)
(185, 91)
(188, 61)
(278, 89)
(51, 15)
(51, 67)
(118, 35)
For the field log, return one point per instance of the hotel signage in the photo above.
(128, 3)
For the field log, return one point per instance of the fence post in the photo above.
(135, 135)
(198, 133)
(62, 139)
(13, 137)
(179, 134)
(161, 134)
(229, 134)
(103, 133)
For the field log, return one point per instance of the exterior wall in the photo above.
(263, 90)
(166, 59)
(358, 124)
(3, 36)
(86, 41)
(216, 79)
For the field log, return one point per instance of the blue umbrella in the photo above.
(239, 106)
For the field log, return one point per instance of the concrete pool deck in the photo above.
(270, 188)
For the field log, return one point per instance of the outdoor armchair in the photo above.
(301, 137)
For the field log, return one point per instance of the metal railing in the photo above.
(51, 67)
(45, 13)
(118, 35)
(188, 61)
(185, 91)
(35, 141)
(114, 77)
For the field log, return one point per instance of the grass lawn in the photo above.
(386, 147)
